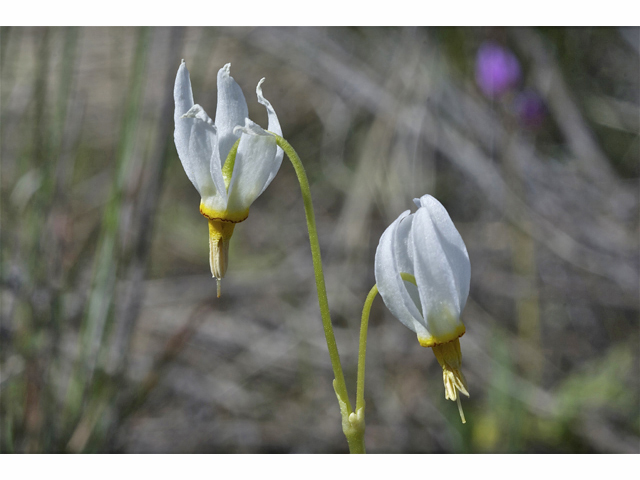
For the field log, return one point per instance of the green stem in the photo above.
(356, 435)
(362, 350)
(356, 424)
(339, 384)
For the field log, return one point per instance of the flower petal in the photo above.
(453, 246)
(403, 248)
(183, 98)
(203, 153)
(194, 135)
(255, 164)
(230, 111)
(390, 254)
(442, 269)
(274, 126)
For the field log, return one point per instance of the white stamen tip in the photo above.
(459, 408)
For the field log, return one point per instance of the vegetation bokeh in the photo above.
(113, 340)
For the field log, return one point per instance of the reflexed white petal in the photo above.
(403, 247)
(437, 282)
(392, 288)
(452, 245)
(182, 94)
(183, 98)
(196, 111)
(194, 135)
(254, 165)
(230, 111)
(251, 128)
(274, 126)
(202, 154)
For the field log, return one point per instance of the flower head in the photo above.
(423, 274)
(497, 69)
(228, 175)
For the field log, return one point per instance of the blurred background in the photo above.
(113, 340)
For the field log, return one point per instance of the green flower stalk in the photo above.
(352, 422)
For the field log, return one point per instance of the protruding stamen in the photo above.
(460, 410)
(219, 237)
(219, 281)
(450, 358)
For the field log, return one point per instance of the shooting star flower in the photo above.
(423, 274)
(230, 161)
(497, 69)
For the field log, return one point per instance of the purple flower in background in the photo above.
(530, 109)
(497, 69)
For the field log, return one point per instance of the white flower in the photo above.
(428, 250)
(227, 186)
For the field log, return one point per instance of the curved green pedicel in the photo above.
(352, 423)
(227, 168)
(357, 433)
(364, 326)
